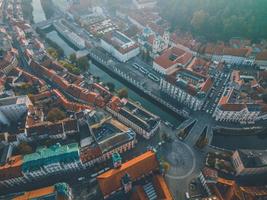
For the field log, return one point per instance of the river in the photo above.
(105, 77)
(38, 13)
(164, 115)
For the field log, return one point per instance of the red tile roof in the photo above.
(180, 57)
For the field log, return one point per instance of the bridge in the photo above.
(46, 23)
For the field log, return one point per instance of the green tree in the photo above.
(83, 63)
(199, 20)
(55, 115)
(111, 86)
(73, 58)
(24, 148)
(123, 93)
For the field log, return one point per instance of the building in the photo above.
(59, 191)
(170, 60)
(261, 59)
(36, 127)
(72, 37)
(11, 172)
(144, 4)
(12, 109)
(8, 61)
(125, 182)
(241, 101)
(110, 137)
(119, 45)
(218, 188)
(250, 162)
(229, 55)
(55, 159)
(188, 86)
(153, 43)
(139, 119)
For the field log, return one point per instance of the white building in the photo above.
(229, 55)
(183, 93)
(229, 110)
(144, 4)
(154, 43)
(120, 46)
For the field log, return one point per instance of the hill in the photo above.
(218, 19)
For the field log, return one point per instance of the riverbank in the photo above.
(236, 141)
(139, 91)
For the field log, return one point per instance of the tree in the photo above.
(111, 86)
(165, 166)
(123, 93)
(83, 63)
(199, 20)
(24, 148)
(217, 20)
(55, 115)
(73, 58)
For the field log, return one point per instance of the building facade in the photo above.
(56, 159)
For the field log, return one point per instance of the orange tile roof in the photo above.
(111, 180)
(12, 168)
(242, 52)
(36, 193)
(162, 188)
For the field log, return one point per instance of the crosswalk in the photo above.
(150, 191)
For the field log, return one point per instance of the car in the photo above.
(187, 196)
(81, 178)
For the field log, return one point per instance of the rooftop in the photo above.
(173, 56)
(111, 180)
(45, 155)
(15, 100)
(253, 158)
(46, 193)
(120, 41)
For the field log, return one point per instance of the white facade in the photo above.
(120, 149)
(229, 59)
(161, 43)
(243, 116)
(53, 168)
(123, 57)
(164, 71)
(180, 95)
